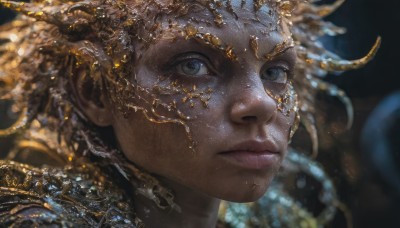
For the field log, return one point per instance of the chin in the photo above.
(247, 193)
(250, 196)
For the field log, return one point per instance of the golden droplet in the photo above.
(216, 41)
(286, 8)
(258, 4)
(309, 61)
(190, 30)
(207, 37)
(124, 59)
(218, 3)
(130, 22)
(39, 14)
(205, 102)
(254, 45)
(323, 65)
(219, 20)
(230, 54)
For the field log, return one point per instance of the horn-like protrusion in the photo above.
(332, 65)
(308, 121)
(30, 10)
(334, 91)
(25, 8)
(325, 10)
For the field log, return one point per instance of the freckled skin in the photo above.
(239, 109)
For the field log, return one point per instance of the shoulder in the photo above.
(65, 197)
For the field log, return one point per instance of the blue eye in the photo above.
(192, 67)
(275, 74)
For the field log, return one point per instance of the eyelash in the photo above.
(176, 67)
(194, 65)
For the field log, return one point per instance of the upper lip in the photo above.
(254, 147)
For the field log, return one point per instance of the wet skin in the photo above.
(241, 137)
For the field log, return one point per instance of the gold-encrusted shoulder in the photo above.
(68, 197)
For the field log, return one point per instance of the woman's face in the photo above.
(224, 95)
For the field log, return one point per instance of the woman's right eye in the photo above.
(192, 67)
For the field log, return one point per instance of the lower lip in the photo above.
(252, 160)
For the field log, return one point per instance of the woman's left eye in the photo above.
(275, 74)
(192, 67)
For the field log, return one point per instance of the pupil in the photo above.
(192, 67)
(272, 74)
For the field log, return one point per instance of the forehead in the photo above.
(230, 23)
(209, 12)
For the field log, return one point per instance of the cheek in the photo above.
(157, 148)
(285, 129)
(190, 104)
(183, 95)
(287, 106)
(162, 101)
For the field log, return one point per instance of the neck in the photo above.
(197, 209)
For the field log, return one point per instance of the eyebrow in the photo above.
(278, 49)
(210, 40)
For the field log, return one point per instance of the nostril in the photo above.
(249, 118)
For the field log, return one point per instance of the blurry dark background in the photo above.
(372, 199)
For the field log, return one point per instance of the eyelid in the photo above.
(289, 56)
(180, 58)
(188, 56)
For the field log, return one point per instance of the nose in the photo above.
(252, 105)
